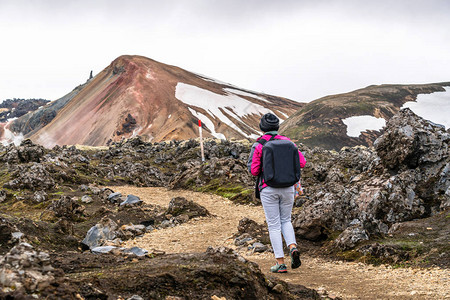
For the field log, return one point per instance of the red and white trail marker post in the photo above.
(201, 139)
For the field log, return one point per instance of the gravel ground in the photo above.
(345, 279)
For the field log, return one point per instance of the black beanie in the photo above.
(269, 122)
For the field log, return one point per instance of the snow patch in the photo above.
(205, 120)
(434, 107)
(10, 138)
(356, 125)
(214, 103)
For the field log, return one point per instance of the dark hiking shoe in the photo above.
(278, 268)
(295, 258)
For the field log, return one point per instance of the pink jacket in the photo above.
(256, 155)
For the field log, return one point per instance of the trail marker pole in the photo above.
(201, 139)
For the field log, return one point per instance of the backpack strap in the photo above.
(263, 141)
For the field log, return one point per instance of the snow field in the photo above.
(213, 103)
(434, 107)
(356, 125)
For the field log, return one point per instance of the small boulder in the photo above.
(103, 249)
(132, 231)
(98, 235)
(181, 205)
(66, 208)
(87, 199)
(115, 197)
(131, 200)
(243, 240)
(351, 236)
(40, 196)
(259, 247)
(136, 251)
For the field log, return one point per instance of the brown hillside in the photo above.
(319, 123)
(137, 96)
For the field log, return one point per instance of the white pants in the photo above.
(277, 204)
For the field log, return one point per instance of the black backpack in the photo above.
(280, 162)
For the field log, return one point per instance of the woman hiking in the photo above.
(275, 184)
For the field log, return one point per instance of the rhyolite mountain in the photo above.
(319, 123)
(136, 95)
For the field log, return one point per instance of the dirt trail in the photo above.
(344, 279)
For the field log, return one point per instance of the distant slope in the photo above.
(37, 119)
(139, 96)
(319, 123)
(15, 108)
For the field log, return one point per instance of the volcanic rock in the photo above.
(106, 230)
(411, 142)
(7, 230)
(23, 268)
(386, 252)
(132, 200)
(115, 197)
(351, 236)
(408, 180)
(66, 208)
(40, 196)
(33, 176)
(87, 199)
(219, 271)
(252, 234)
(15, 108)
(130, 231)
(181, 206)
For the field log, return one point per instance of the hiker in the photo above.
(277, 201)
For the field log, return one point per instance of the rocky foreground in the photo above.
(383, 204)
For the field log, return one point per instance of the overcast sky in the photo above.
(298, 49)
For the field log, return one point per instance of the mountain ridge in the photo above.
(136, 95)
(319, 122)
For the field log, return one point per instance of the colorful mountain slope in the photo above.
(135, 95)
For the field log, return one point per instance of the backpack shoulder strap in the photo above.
(263, 141)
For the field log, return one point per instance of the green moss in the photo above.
(5, 176)
(412, 246)
(216, 186)
(41, 205)
(350, 255)
(190, 183)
